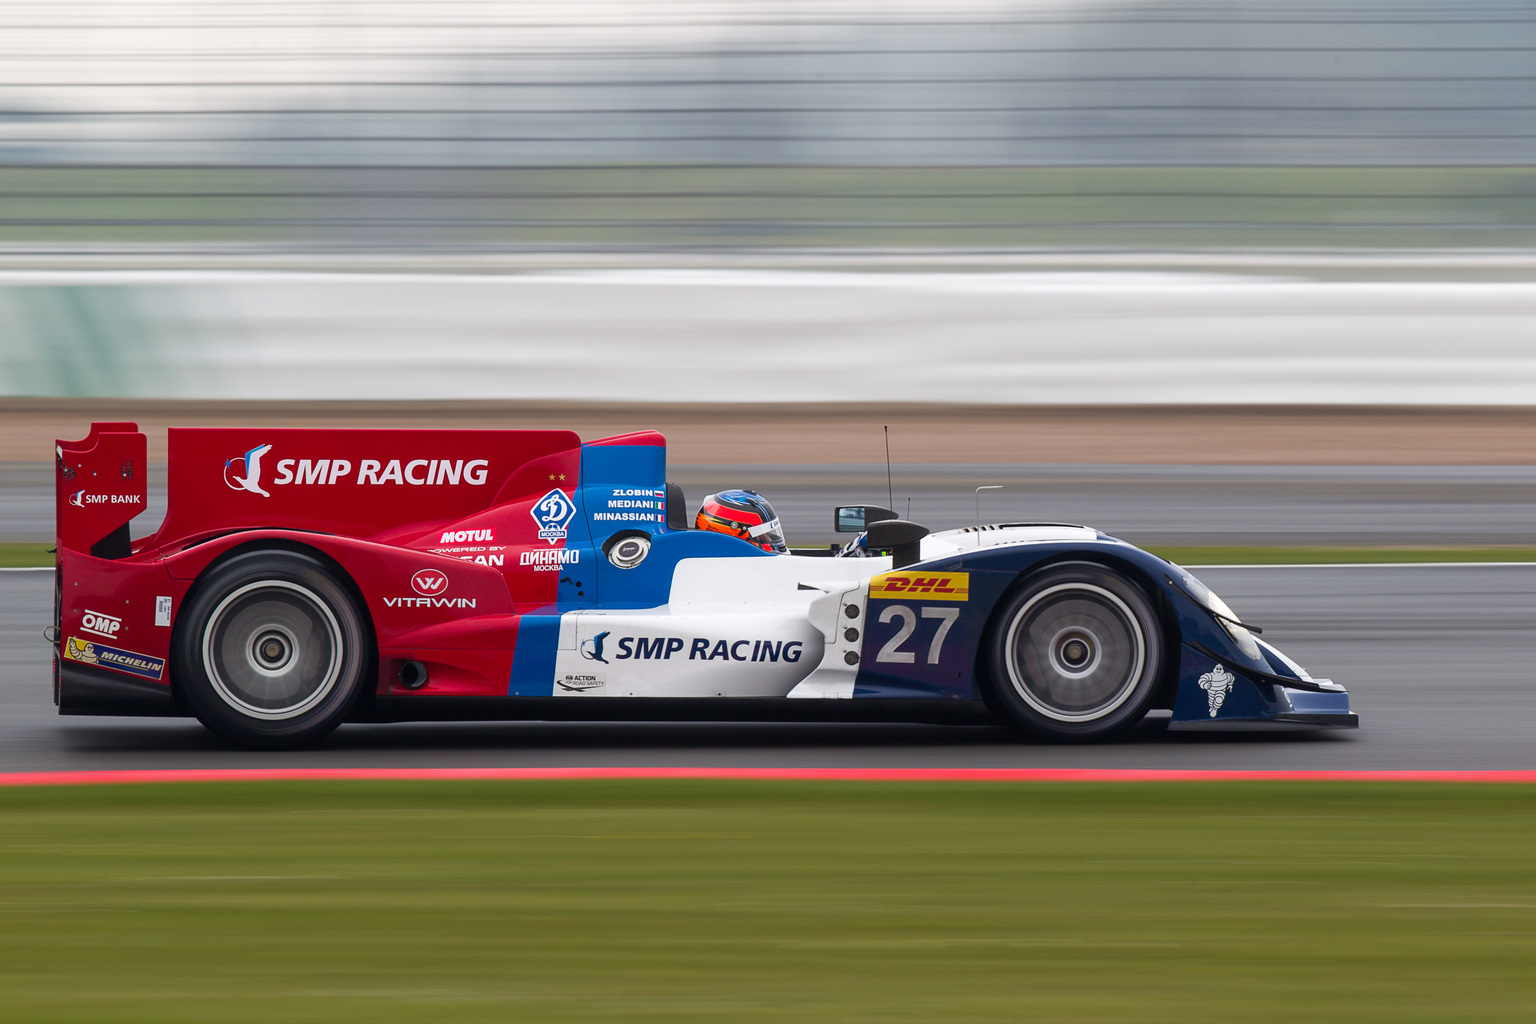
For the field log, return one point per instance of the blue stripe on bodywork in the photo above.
(1244, 698)
(954, 676)
(607, 468)
(533, 661)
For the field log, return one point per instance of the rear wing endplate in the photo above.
(100, 484)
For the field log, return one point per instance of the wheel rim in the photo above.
(1075, 652)
(273, 650)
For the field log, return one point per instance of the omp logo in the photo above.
(552, 512)
(101, 625)
(243, 473)
(429, 582)
(1217, 683)
(465, 536)
(930, 586)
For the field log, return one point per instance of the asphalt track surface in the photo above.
(1437, 658)
(1144, 504)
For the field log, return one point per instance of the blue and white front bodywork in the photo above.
(710, 616)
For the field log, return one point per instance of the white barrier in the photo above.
(769, 336)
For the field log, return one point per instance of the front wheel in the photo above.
(1076, 654)
(271, 652)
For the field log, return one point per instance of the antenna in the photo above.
(890, 502)
(983, 487)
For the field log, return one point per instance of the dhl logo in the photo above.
(931, 586)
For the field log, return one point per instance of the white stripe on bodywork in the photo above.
(746, 602)
(829, 613)
(665, 652)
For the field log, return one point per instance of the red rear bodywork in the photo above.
(434, 529)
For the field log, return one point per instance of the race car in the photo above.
(306, 577)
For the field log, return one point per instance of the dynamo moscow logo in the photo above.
(552, 512)
(243, 472)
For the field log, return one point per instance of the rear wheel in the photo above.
(272, 653)
(1076, 654)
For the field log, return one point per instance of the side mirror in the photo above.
(857, 518)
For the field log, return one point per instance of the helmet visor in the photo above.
(769, 536)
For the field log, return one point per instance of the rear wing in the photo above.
(353, 482)
(100, 483)
(375, 483)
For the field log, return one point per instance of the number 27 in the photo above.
(892, 652)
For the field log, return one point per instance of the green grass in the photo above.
(766, 206)
(713, 901)
(14, 554)
(1212, 555)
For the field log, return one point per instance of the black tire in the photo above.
(271, 650)
(1075, 653)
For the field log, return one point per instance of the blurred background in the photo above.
(1026, 234)
(741, 123)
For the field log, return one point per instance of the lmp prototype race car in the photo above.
(303, 578)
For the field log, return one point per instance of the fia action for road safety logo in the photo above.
(552, 512)
(1217, 683)
(580, 682)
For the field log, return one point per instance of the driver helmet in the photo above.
(743, 514)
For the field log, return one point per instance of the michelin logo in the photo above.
(88, 652)
(1217, 683)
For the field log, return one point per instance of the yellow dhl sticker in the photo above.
(929, 586)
